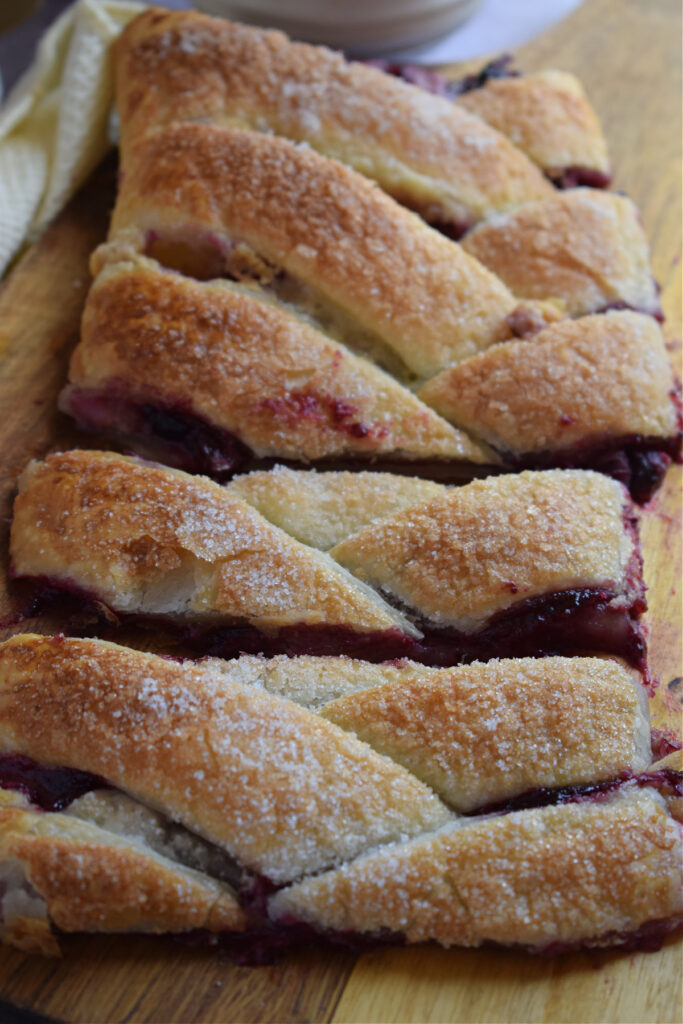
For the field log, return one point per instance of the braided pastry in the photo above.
(217, 773)
(538, 562)
(84, 878)
(267, 291)
(221, 375)
(424, 150)
(211, 377)
(335, 275)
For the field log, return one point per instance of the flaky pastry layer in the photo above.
(584, 248)
(58, 870)
(279, 788)
(148, 540)
(321, 509)
(213, 201)
(538, 878)
(548, 116)
(423, 149)
(247, 365)
(481, 733)
(476, 550)
(576, 382)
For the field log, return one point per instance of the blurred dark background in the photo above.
(22, 22)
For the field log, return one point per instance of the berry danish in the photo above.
(522, 564)
(141, 793)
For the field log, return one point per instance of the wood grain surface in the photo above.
(627, 54)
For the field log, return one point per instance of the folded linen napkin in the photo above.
(54, 125)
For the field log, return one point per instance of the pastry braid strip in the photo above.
(478, 734)
(589, 873)
(76, 876)
(548, 116)
(584, 248)
(280, 789)
(259, 380)
(422, 149)
(599, 391)
(463, 556)
(500, 566)
(322, 508)
(213, 201)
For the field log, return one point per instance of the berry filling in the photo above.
(179, 437)
(51, 789)
(432, 81)
(577, 177)
(567, 622)
(571, 621)
(184, 439)
(666, 781)
(639, 463)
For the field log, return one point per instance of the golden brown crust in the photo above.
(547, 115)
(183, 66)
(486, 732)
(478, 549)
(604, 376)
(144, 539)
(584, 247)
(248, 366)
(560, 874)
(278, 788)
(347, 244)
(82, 878)
(480, 733)
(321, 509)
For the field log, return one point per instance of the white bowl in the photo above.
(364, 28)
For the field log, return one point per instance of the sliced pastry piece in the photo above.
(535, 563)
(214, 374)
(321, 509)
(517, 564)
(548, 116)
(601, 872)
(142, 540)
(60, 872)
(479, 734)
(583, 248)
(213, 202)
(279, 789)
(434, 156)
(598, 391)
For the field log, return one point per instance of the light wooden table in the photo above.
(627, 54)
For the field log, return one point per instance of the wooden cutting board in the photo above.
(627, 54)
